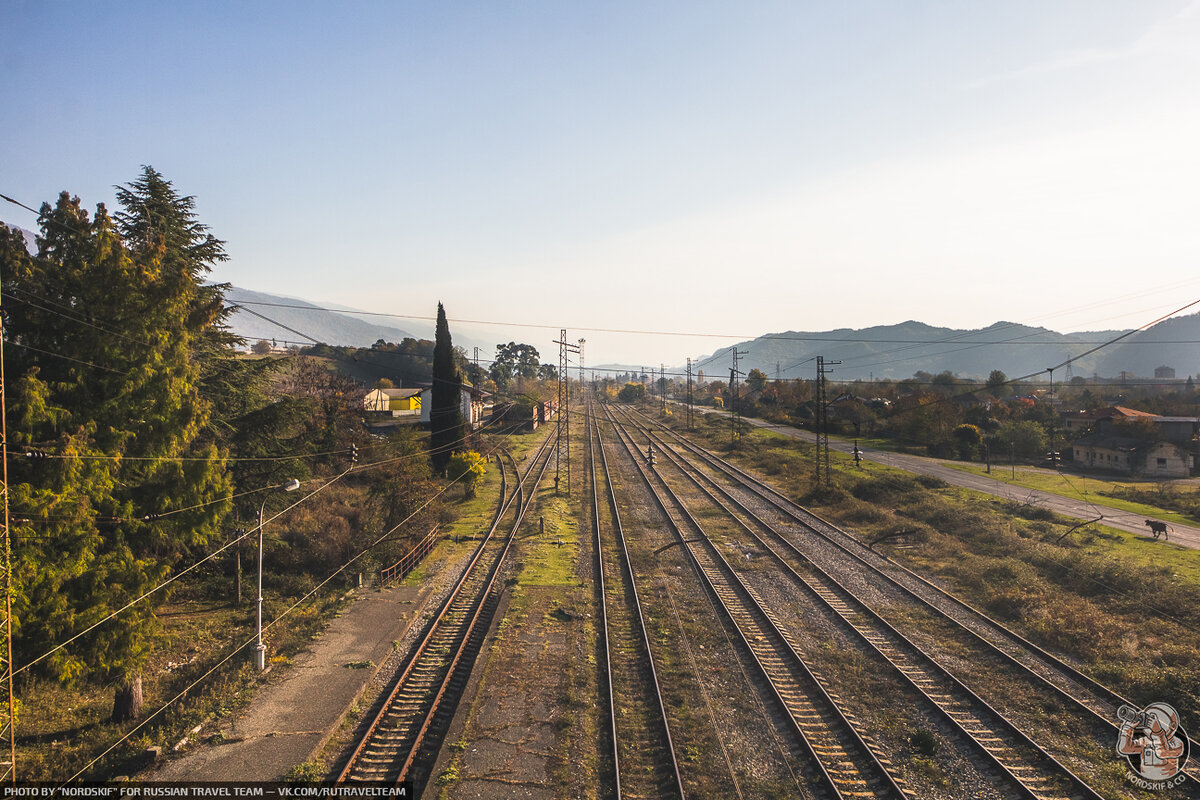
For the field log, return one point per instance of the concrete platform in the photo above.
(301, 706)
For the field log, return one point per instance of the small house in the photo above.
(1133, 457)
(395, 402)
(1083, 420)
(474, 404)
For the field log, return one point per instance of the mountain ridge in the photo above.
(899, 350)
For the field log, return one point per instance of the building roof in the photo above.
(1113, 411)
(399, 394)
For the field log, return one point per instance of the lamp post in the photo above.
(260, 649)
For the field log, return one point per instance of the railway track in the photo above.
(401, 740)
(1023, 766)
(1095, 702)
(642, 751)
(842, 761)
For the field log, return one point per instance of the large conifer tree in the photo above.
(110, 322)
(445, 412)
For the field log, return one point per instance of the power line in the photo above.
(275, 621)
(68, 358)
(174, 577)
(648, 332)
(41, 454)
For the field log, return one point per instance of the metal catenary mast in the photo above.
(8, 768)
(562, 433)
(822, 400)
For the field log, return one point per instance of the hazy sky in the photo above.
(722, 168)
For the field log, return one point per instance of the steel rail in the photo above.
(912, 667)
(615, 754)
(785, 506)
(457, 636)
(625, 569)
(479, 606)
(845, 778)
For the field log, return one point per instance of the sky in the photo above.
(716, 169)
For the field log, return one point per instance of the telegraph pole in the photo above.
(735, 411)
(562, 432)
(662, 386)
(823, 421)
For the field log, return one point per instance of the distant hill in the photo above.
(898, 351)
(325, 326)
(1172, 343)
(342, 326)
(30, 236)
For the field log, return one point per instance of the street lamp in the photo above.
(260, 649)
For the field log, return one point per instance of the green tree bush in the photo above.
(118, 345)
(467, 466)
(631, 392)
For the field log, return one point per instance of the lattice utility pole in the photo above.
(689, 393)
(8, 725)
(582, 342)
(562, 433)
(822, 421)
(735, 406)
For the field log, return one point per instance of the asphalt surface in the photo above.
(1076, 508)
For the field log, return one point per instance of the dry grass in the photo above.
(1126, 608)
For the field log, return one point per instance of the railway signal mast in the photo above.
(562, 433)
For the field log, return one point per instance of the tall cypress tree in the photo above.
(445, 410)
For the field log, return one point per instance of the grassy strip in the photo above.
(1096, 490)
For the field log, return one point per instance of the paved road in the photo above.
(1185, 535)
